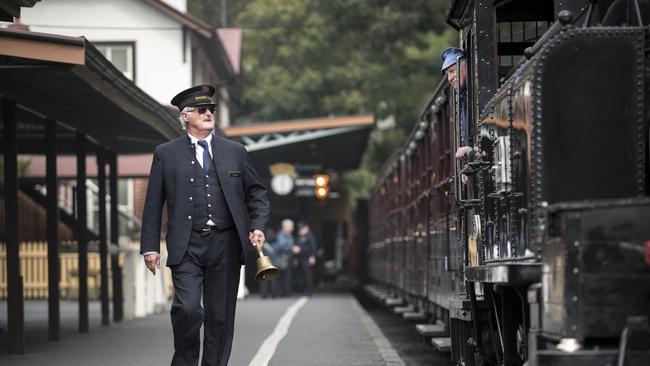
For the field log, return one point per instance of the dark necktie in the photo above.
(207, 159)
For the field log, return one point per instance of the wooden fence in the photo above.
(33, 268)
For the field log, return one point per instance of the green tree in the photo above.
(309, 58)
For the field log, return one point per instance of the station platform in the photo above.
(326, 329)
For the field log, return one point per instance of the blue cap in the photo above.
(449, 57)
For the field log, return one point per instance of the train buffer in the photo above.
(442, 344)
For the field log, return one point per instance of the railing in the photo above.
(33, 268)
(143, 293)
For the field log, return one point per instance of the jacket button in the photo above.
(208, 194)
(209, 215)
(207, 185)
(191, 179)
(190, 198)
(209, 205)
(189, 217)
(207, 176)
(192, 161)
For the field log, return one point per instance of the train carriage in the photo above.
(534, 248)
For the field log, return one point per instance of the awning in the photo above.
(69, 80)
(335, 143)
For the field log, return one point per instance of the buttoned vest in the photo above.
(209, 202)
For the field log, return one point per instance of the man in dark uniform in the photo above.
(216, 205)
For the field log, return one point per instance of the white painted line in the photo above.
(388, 353)
(268, 347)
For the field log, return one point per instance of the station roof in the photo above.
(334, 143)
(67, 79)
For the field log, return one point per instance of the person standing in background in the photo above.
(283, 246)
(306, 257)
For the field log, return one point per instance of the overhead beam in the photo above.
(37, 46)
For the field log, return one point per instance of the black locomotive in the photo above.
(534, 247)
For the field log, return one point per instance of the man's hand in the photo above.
(312, 260)
(256, 237)
(152, 261)
(296, 249)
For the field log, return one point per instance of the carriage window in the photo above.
(514, 38)
(520, 23)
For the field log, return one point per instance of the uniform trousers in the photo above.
(209, 271)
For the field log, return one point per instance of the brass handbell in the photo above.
(266, 271)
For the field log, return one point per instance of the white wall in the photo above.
(178, 4)
(159, 67)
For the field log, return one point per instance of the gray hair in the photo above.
(180, 117)
(286, 223)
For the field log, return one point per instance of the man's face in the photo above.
(452, 75)
(287, 227)
(199, 119)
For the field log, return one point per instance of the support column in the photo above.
(118, 309)
(82, 233)
(103, 248)
(15, 310)
(52, 231)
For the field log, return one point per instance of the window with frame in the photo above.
(520, 23)
(121, 55)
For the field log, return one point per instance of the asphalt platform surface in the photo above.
(327, 329)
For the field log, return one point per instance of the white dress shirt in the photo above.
(199, 148)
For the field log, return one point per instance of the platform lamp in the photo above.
(321, 188)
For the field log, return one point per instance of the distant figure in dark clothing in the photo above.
(283, 246)
(306, 243)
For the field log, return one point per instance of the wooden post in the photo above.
(103, 249)
(82, 233)
(15, 318)
(52, 231)
(118, 310)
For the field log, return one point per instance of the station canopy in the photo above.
(332, 143)
(68, 80)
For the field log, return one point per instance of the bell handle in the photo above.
(258, 248)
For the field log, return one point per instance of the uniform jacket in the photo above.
(169, 182)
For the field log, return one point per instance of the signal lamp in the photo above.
(322, 189)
